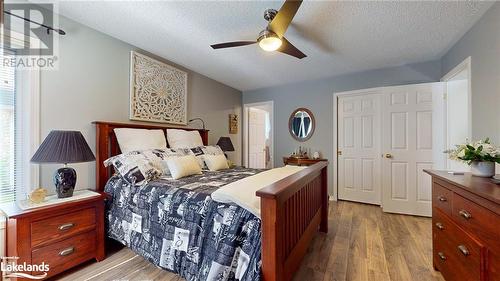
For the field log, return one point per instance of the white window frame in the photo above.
(30, 87)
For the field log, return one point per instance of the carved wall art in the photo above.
(158, 91)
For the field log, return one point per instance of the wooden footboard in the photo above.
(292, 210)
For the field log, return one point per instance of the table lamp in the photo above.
(64, 147)
(225, 144)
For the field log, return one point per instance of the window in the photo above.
(19, 127)
(7, 129)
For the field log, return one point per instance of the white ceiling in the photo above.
(338, 37)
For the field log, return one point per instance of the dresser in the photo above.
(301, 161)
(61, 236)
(465, 226)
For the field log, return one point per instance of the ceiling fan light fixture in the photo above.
(269, 41)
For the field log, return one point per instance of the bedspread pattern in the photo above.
(177, 226)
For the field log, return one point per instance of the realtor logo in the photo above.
(32, 21)
(10, 269)
(29, 32)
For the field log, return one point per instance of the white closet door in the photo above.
(359, 174)
(256, 138)
(410, 146)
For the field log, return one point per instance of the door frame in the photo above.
(464, 65)
(245, 129)
(336, 95)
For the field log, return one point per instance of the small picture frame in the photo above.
(233, 123)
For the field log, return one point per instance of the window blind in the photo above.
(8, 172)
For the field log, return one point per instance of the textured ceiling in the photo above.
(338, 37)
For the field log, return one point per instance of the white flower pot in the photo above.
(483, 169)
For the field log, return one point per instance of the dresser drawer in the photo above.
(47, 230)
(476, 219)
(442, 198)
(66, 253)
(455, 252)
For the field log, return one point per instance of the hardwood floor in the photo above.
(363, 243)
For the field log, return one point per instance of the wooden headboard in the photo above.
(107, 145)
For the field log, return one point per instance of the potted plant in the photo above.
(480, 155)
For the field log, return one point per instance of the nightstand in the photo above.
(62, 235)
(301, 161)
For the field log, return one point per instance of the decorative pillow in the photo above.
(139, 139)
(201, 151)
(183, 139)
(216, 162)
(136, 167)
(162, 155)
(183, 166)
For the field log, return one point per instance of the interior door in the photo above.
(411, 142)
(256, 138)
(359, 174)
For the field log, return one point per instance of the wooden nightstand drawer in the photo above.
(66, 253)
(47, 230)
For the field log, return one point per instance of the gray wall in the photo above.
(318, 97)
(482, 44)
(92, 83)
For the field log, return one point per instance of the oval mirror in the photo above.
(301, 124)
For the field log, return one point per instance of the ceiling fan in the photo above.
(272, 37)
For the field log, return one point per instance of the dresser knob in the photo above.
(66, 226)
(442, 256)
(442, 198)
(67, 251)
(439, 225)
(464, 250)
(466, 215)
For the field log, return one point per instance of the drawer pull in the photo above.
(442, 256)
(464, 250)
(66, 226)
(442, 198)
(466, 215)
(439, 225)
(67, 251)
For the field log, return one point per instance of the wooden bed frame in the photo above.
(292, 209)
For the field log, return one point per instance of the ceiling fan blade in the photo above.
(289, 49)
(232, 44)
(284, 17)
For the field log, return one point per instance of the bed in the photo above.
(269, 247)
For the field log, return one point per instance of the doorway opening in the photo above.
(458, 110)
(258, 135)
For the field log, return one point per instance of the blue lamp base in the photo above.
(65, 180)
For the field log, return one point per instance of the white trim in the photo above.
(245, 129)
(464, 65)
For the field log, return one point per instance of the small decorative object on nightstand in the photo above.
(61, 236)
(64, 147)
(301, 161)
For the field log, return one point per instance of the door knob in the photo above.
(388, 155)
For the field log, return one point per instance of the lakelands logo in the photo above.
(11, 269)
(29, 37)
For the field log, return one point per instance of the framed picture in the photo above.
(233, 123)
(158, 91)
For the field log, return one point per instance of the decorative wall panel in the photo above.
(158, 91)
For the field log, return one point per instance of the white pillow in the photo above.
(183, 139)
(216, 162)
(183, 166)
(139, 139)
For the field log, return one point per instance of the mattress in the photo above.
(177, 226)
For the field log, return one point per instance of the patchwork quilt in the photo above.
(177, 226)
